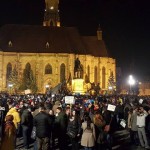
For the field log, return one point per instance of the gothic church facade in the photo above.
(50, 51)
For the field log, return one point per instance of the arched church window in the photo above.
(82, 71)
(51, 23)
(28, 66)
(95, 74)
(62, 72)
(48, 69)
(8, 72)
(103, 77)
(88, 71)
(27, 70)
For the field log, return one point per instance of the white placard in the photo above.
(123, 123)
(27, 91)
(69, 100)
(2, 108)
(141, 101)
(111, 107)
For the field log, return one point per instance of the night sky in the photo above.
(125, 25)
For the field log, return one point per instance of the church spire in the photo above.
(99, 33)
(51, 16)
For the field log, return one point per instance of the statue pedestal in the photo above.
(78, 86)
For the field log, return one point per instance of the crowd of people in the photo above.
(47, 121)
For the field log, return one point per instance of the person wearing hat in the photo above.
(13, 111)
(9, 134)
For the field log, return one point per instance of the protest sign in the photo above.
(111, 107)
(141, 101)
(69, 100)
(123, 123)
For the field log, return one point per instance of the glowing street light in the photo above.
(10, 87)
(47, 86)
(131, 82)
(110, 87)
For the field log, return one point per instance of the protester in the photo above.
(141, 127)
(61, 125)
(9, 134)
(148, 123)
(43, 124)
(27, 125)
(132, 125)
(89, 136)
(95, 107)
(99, 123)
(2, 117)
(53, 130)
(13, 111)
(74, 130)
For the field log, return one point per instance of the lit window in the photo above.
(47, 45)
(10, 44)
(48, 69)
(51, 7)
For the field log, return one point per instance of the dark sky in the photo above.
(125, 25)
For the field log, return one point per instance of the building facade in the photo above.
(51, 53)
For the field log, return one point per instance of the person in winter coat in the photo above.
(9, 134)
(148, 123)
(99, 123)
(74, 126)
(141, 118)
(27, 125)
(2, 119)
(61, 126)
(13, 111)
(132, 125)
(57, 104)
(43, 124)
(88, 137)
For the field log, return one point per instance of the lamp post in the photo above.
(131, 82)
(47, 88)
(10, 87)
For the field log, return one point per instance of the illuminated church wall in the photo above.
(102, 66)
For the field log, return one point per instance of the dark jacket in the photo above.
(148, 123)
(27, 118)
(61, 123)
(43, 123)
(75, 126)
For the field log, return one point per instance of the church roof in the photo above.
(39, 39)
(94, 46)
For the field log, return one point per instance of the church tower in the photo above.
(99, 33)
(51, 16)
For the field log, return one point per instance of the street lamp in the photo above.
(131, 82)
(110, 87)
(10, 87)
(47, 88)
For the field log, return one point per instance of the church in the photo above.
(51, 52)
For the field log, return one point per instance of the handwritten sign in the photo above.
(123, 123)
(141, 101)
(27, 91)
(111, 107)
(69, 100)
